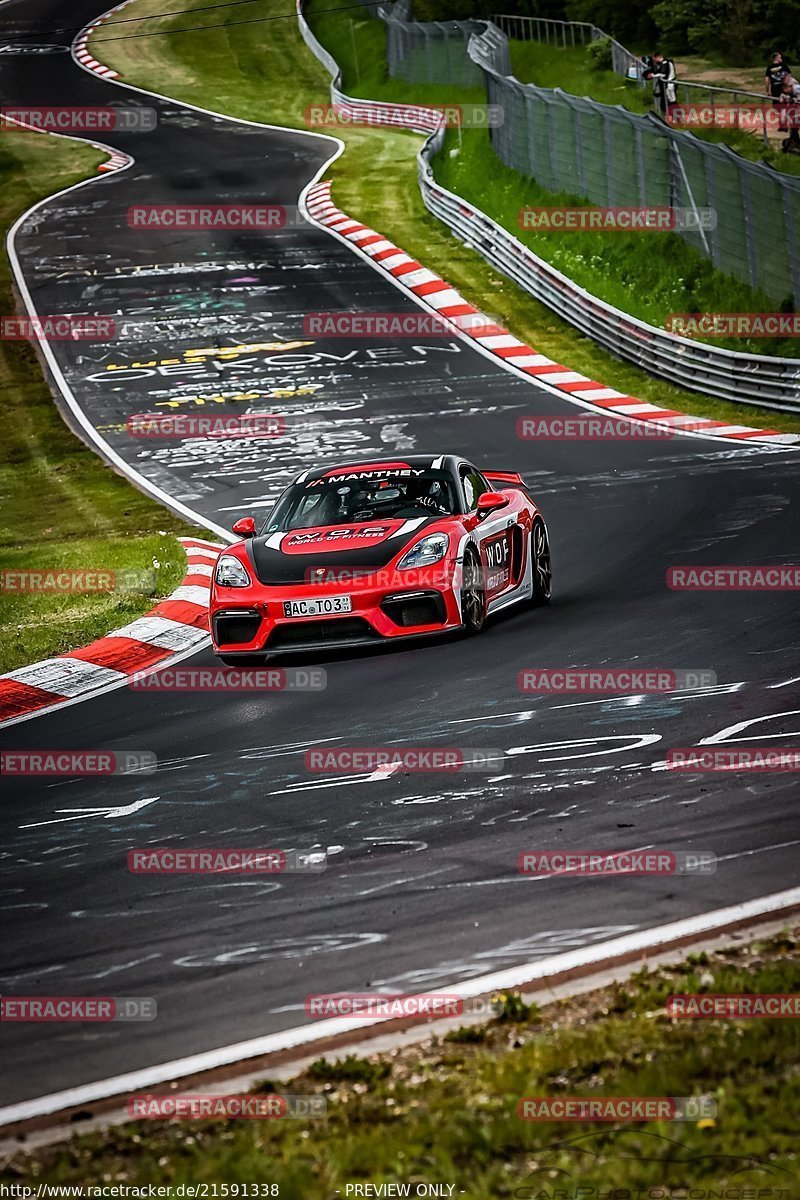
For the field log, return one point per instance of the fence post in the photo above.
(640, 172)
(608, 146)
(578, 127)
(711, 189)
(528, 101)
(551, 145)
(747, 203)
(676, 147)
(791, 242)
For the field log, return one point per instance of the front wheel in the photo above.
(473, 594)
(540, 561)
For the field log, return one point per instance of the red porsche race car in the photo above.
(377, 551)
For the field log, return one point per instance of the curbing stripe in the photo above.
(173, 627)
(514, 354)
(22, 699)
(316, 201)
(65, 676)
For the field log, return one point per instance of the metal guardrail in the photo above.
(688, 92)
(743, 378)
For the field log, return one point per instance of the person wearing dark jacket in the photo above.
(662, 72)
(776, 71)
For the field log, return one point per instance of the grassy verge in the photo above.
(61, 507)
(265, 72)
(650, 276)
(445, 1111)
(572, 69)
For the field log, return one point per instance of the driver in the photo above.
(431, 495)
(354, 504)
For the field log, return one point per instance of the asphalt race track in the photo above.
(422, 888)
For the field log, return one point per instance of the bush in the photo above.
(600, 54)
(509, 1006)
(349, 1070)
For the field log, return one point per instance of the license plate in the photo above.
(325, 606)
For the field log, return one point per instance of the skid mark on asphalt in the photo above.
(299, 948)
(726, 524)
(530, 949)
(175, 901)
(118, 968)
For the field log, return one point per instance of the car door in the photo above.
(495, 535)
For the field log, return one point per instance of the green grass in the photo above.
(265, 72)
(36, 625)
(445, 1111)
(647, 274)
(358, 43)
(59, 505)
(572, 69)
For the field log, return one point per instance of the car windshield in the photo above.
(339, 500)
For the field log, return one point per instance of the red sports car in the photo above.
(370, 552)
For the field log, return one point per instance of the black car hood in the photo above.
(362, 547)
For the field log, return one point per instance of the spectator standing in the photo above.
(661, 71)
(789, 101)
(776, 71)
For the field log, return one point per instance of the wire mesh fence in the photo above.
(564, 34)
(429, 51)
(741, 377)
(611, 156)
(605, 154)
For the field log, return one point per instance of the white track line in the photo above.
(103, 448)
(643, 941)
(303, 1035)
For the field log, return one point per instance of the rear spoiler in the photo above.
(507, 478)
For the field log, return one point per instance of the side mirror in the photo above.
(246, 527)
(490, 502)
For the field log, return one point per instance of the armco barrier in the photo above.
(611, 156)
(726, 374)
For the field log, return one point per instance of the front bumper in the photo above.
(251, 620)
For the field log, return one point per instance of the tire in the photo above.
(473, 594)
(540, 561)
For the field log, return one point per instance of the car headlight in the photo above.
(230, 572)
(428, 550)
